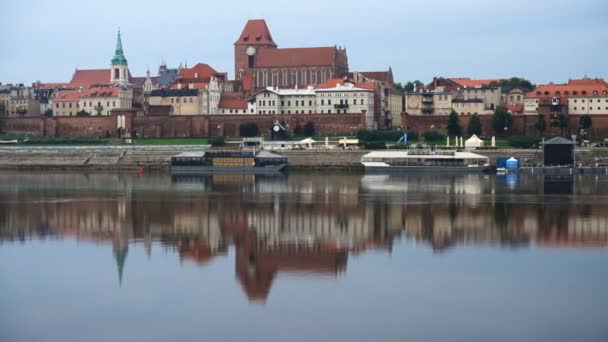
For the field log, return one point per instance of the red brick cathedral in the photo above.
(258, 61)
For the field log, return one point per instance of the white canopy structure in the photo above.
(473, 142)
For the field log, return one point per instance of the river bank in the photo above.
(159, 157)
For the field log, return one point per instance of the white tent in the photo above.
(473, 142)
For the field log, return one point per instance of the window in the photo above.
(310, 102)
(362, 101)
(310, 111)
(70, 105)
(595, 92)
(322, 102)
(288, 103)
(583, 100)
(584, 92)
(190, 100)
(355, 101)
(288, 112)
(329, 103)
(114, 103)
(177, 99)
(329, 111)
(116, 73)
(282, 103)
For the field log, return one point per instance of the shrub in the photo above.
(83, 113)
(217, 141)
(433, 136)
(374, 145)
(523, 142)
(248, 130)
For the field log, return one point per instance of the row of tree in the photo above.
(502, 121)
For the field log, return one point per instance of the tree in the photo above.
(474, 125)
(585, 122)
(309, 129)
(501, 120)
(562, 122)
(409, 86)
(540, 124)
(453, 124)
(83, 113)
(514, 82)
(2, 109)
(48, 112)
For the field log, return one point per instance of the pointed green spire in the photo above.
(120, 255)
(119, 57)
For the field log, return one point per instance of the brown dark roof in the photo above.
(256, 32)
(383, 76)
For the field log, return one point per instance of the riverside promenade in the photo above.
(159, 157)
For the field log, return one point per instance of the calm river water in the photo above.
(300, 257)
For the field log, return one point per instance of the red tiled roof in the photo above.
(67, 96)
(467, 82)
(101, 92)
(579, 87)
(256, 32)
(232, 103)
(199, 71)
(86, 78)
(294, 57)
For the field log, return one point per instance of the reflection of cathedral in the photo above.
(296, 225)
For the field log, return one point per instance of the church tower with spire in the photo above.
(120, 67)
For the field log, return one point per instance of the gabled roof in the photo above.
(559, 141)
(86, 78)
(294, 57)
(199, 71)
(256, 32)
(382, 76)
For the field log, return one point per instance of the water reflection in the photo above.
(302, 223)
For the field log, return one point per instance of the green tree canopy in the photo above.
(501, 120)
(585, 122)
(474, 125)
(408, 87)
(514, 82)
(540, 124)
(562, 122)
(454, 124)
(83, 113)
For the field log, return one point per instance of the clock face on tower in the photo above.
(250, 51)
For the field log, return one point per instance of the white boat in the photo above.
(424, 161)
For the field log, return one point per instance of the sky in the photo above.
(543, 41)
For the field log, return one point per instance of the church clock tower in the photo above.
(120, 68)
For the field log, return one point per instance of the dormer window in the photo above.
(575, 92)
(246, 38)
(558, 93)
(538, 93)
(584, 92)
(566, 93)
(595, 92)
(546, 93)
(196, 75)
(258, 38)
(605, 92)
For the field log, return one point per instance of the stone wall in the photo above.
(175, 126)
(522, 125)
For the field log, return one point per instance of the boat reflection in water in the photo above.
(305, 224)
